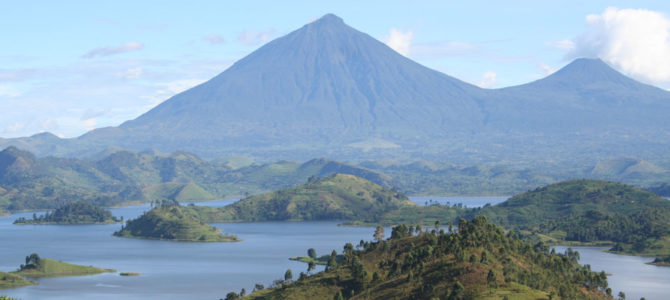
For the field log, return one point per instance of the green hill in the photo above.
(182, 192)
(169, 221)
(116, 177)
(590, 211)
(9, 280)
(73, 213)
(480, 261)
(337, 197)
(45, 267)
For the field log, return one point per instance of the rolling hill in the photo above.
(336, 197)
(29, 182)
(171, 222)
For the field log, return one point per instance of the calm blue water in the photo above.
(171, 270)
(630, 274)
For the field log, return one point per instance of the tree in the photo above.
(332, 262)
(311, 253)
(310, 266)
(288, 275)
(258, 287)
(379, 234)
(457, 291)
(491, 278)
(622, 296)
(338, 296)
(243, 292)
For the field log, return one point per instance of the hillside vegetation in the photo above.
(480, 261)
(590, 211)
(336, 197)
(73, 213)
(172, 222)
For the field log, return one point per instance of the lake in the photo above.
(172, 270)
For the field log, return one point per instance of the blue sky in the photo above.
(71, 66)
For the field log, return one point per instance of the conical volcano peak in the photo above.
(587, 65)
(329, 19)
(583, 71)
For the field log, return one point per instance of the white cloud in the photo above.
(107, 51)
(253, 38)
(9, 91)
(169, 89)
(635, 41)
(214, 39)
(90, 123)
(400, 41)
(91, 113)
(132, 73)
(565, 44)
(546, 69)
(488, 79)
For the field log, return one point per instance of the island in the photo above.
(73, 213)
(36, 267)
(335, 197)
(479, 261)
(9, 280)
(172, 222)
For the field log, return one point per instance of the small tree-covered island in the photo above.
(36, 267)
(9, 280)
(478, 261)
(73, 213)
(172, 222)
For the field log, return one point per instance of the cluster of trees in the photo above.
(32, 262)
(420, 263)
(72, 213)
(633, 229)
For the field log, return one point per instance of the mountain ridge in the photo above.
(327, 89)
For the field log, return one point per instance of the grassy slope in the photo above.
(436, 262)
(51, 268)
(182, 192)
(9, 280)
(337, 197)
(172, 223)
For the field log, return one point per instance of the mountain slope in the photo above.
(325, 83)
(584, 109)
(327, 89)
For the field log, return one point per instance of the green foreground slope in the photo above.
(172, 222)
(336, 197)
(479, 262)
